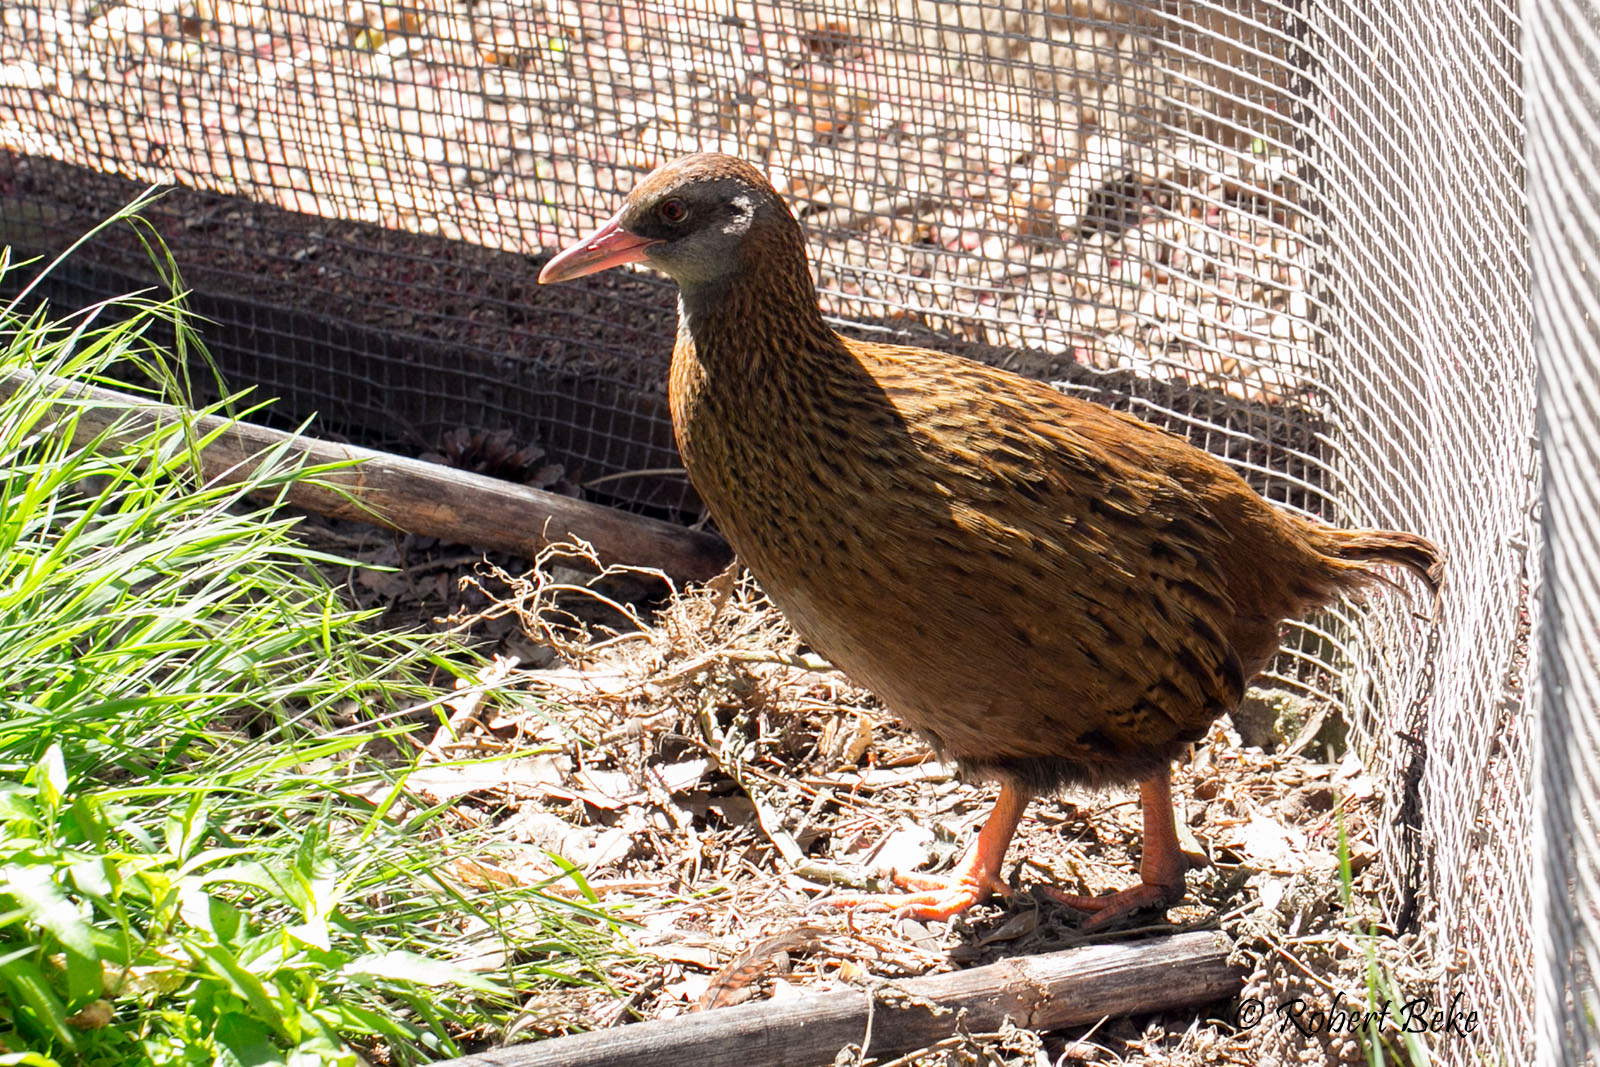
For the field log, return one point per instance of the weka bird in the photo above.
(1048, 591)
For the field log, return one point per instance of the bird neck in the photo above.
(761, 320)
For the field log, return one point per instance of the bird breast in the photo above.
(989, 584)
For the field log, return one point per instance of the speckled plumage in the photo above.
(1048, 590)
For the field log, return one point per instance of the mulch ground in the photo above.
(686, 752)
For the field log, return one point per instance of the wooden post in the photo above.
(399, 493)
(1073, 987)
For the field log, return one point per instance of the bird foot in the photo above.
(943, 896)
(932, 896)
(1111, 907)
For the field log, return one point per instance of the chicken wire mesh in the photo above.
(1431, 395)
(1292, 230)
(1564, 222)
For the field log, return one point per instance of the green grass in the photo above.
(1385, 1042)
(195, 865)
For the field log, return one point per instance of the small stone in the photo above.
(1269, 718)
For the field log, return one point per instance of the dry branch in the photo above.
(1074, 987)
(399, 493)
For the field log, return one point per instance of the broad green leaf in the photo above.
(36, 890)
(26, 984)
(416, 969)
(16, 803)
(27, 1059)
(246, 1042)
(51, 776)
(92, 877)
(245, 984)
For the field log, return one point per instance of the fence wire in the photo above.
(1564, 190)
(1291, 229)
(1420, 159)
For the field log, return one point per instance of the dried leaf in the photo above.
(906, 848)
(736, 980)
(611, 790)
(1266, 842)
(691, 987)
(702, 956)
(1019, 925)
(680, 777)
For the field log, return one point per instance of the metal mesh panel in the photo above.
(1291, 229)
(1564, 222)
(1430, 386)
(962, 169)
(394, 339)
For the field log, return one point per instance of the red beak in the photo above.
(609, 246)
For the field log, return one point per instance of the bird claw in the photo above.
(1111, 907)
(933, 896)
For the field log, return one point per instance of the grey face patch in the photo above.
(710, 249)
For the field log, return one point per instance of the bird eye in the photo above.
(673, 211)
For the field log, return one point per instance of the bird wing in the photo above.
(1100, 523)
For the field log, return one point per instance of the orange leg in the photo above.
(973, 879)
(1160, 871)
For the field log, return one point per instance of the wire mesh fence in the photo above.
(1291, 229)
(1420, 159)
(1564, 188)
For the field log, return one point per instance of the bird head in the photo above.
(697, 219)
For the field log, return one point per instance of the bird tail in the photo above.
(1363, 548)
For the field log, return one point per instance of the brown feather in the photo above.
(1048, 590)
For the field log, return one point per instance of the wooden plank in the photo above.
(400, 493)
(1073, 987)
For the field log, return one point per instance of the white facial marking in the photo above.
(741, 222)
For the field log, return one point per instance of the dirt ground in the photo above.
(687, 754)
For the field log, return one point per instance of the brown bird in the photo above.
(1047, 590)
